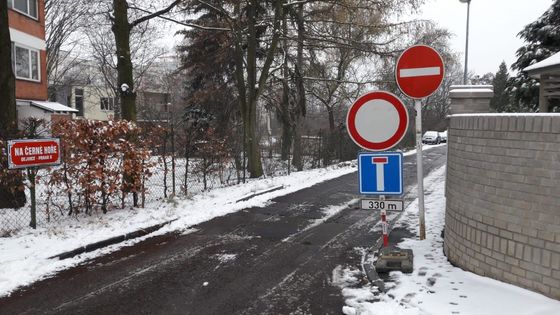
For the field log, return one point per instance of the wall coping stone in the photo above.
(471, 93)
(463, 87)
(506, 115)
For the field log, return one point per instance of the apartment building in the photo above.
(29, 57)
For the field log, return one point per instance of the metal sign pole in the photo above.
(419, 168)
(384, 224)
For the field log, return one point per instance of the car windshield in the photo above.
(430, 134)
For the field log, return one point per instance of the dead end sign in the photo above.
(33, 152)
(420, 71)
(377, 121)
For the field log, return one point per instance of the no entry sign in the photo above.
(419, 71)
(33, 152)
(377, 121)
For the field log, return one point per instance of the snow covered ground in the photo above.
(24, 256)
(435, 286)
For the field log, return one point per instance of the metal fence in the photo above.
(168, 175)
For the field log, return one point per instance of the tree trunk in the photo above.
(254, 154)
(10, 195)
(332, 126)
(284, 110)
(301, 104)
(297, 161)
(121, 29)
(286, 141)
(8, 114)
(330, 141)
(250, 121)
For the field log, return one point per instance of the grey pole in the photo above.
(468, 2)
(419, 168)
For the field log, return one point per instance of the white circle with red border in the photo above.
(377, 121)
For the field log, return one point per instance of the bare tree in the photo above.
(104, 64)
(122, 28)
(64, 20)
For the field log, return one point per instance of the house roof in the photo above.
(53, 107)
(550, 64)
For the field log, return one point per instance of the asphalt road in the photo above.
(256, 261)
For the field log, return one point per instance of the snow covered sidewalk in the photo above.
(435, 286)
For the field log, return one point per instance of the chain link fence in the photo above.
(172, 169)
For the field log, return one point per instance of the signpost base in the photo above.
(394, 259)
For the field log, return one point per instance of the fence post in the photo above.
(31, 176)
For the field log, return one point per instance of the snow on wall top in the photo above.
(506, 115)
(553, 60)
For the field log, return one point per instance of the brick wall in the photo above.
(503, 198)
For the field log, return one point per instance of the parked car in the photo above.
(431, 137)
(443, 136)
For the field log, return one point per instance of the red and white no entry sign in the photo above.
(419, 71)
(377, 121)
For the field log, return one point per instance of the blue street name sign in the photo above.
(380, 173)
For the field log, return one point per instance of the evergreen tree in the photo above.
(542, 39)
(500, 101)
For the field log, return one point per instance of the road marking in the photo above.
(419, 72)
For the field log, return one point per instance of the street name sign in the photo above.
(33, 152)
(377, 121)
(419, 71)
(380, 173)
(387, 205)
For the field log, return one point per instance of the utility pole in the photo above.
(468, 2)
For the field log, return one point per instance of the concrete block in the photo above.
(534, 276)
(512, 126)
(537, 252)
(547, 124)
(527, 253)
(539, 286)
(519, 250)
(537, 124)
(529, 121)
(510, 277)
(555, 261)
(518, 272)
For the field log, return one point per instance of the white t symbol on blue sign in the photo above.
(380, 173)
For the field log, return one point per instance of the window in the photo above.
(27, 7)
(26, 63)
(107, 103)
(79, 99)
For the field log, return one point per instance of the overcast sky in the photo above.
(494, 25)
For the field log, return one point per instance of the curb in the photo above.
(142, 232)
(110, 241)
(260, 193)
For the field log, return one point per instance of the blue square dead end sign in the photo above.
(380, 173)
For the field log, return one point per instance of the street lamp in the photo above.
(468, 2)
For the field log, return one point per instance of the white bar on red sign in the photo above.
(419, 72)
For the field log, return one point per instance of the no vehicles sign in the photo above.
(377, 121)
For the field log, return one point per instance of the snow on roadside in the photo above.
(435, 286)
(328, 212)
